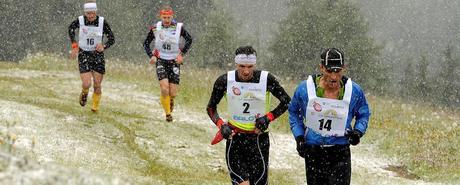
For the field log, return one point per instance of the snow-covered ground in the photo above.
(54, 147)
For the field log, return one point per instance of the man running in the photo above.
(90, 49)
(320, 115)
(167, 56)
(247, 92)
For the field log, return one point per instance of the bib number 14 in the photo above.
(325, 125)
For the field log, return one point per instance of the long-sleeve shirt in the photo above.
(151, 37)
(358, 109)
(106, 30)
(273, 86)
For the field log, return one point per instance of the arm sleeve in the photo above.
(275, 88)
(297, 110)
(361, 113)
(188, 40)
(148, 40)
(218, 91)
(109, 34)
(72, 27)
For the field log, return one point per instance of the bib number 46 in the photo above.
(325, 125)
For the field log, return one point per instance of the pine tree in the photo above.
(315, 25)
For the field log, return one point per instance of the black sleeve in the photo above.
(148, 40)
(72, 27)
(218, 91)
(188, 40)
(110, 37)
(275, 88)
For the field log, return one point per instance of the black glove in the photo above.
(262, 123)
(300, 146)
(354, 137)
(226, 131)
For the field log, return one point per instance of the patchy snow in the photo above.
(56, 145)
(27, 74)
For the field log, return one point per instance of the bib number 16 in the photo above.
(90, 42)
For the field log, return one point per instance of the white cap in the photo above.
(88, 7)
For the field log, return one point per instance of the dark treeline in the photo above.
(33, 26)
(292, 51)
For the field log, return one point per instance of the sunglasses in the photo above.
(335, 70)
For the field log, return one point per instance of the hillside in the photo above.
(46, 137)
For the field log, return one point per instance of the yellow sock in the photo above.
(96, 100)
(165, 102)
(86, 91)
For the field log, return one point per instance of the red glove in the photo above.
(219, 137)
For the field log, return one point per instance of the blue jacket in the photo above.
(358, 109)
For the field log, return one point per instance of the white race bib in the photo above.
(89, 36)
(167, 41)
(246, 101)
(325, 116)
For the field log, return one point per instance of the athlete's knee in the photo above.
(97, 88)
(86, 84)
(164, 91)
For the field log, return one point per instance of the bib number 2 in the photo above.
(246, 108)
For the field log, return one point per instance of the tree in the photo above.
(448, 78)
(422, 87)
(409, 82)
(315, 25)
(216, 46)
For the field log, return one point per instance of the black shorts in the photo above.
(89, 61)
(328, 165)
(168, 69)
(247, 158)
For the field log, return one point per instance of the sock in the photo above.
(96, 100)
(165, 102)
(172, 103)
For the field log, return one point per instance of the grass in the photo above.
(425, 139)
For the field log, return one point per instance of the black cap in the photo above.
(332, 59)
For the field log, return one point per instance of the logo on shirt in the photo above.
(331, 113)
(317, 107)
(236, 91)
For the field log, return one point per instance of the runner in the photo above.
(320, 116)
(167, 56)
(90, 50)
(247, 92)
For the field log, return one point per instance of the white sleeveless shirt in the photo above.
(89, 36)
(246, 101)
(167, 41)
(327, 117)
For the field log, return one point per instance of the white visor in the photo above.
(88, 7)
(245, 59)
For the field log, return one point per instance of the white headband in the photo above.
(245, 59)
(88, 7)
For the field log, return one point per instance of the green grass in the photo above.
(424, 138)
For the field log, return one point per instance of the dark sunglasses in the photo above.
(336, 70)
